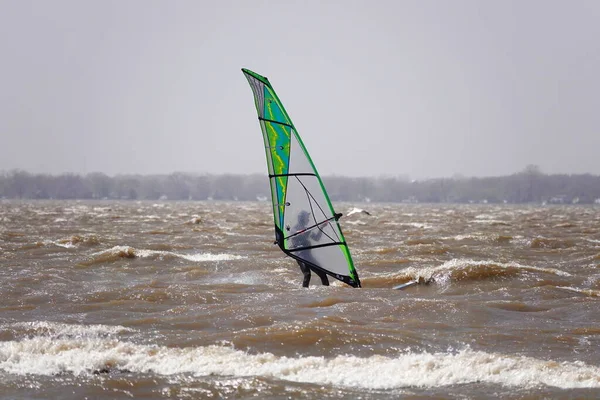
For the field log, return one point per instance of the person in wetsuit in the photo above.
(305, 239)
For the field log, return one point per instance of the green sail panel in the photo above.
(306, 226)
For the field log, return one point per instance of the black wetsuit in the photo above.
(306, 271)
(304, 240)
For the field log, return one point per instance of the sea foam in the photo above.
(117, 252)
(466, 268)
(48, 353)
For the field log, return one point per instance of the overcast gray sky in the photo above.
(420, 88)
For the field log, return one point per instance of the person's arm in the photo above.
(316, 235)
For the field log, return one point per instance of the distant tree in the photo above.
(532, 174)
(150, 187)
(126, 186)
(100, 184)
(532, 170)
(200, 188)
(19, 184)
(71, 186)
(176, 186)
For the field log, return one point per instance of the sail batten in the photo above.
(275, 122)
(296, 174)
(306, 225)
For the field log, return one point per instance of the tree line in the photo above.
(527, 186)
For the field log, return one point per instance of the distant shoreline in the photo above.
(527, 186)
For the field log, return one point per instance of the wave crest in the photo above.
(79, 356)
(119, 252)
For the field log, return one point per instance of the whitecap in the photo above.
(78, 356)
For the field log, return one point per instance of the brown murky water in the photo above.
(192, 300)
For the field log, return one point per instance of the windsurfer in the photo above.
(304, 239)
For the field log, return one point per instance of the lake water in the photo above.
(193, 300)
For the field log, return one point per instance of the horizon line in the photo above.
(455, 176)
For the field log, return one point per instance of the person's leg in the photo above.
(306, 271)
(323, 277)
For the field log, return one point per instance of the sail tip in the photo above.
(264, 79)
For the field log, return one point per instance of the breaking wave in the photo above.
(76, 240)
(118, 252)
(547, 243)
(587, 292)
(91, 350)
(465, 270)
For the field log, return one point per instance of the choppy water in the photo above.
(192, 300)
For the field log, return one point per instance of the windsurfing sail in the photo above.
(306, 225)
